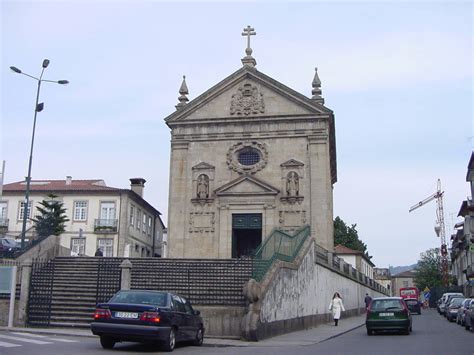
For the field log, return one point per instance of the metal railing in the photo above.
(278, 246)
(105, 225)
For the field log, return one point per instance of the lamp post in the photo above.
(38, 108)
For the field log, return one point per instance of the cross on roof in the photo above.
(248, 31)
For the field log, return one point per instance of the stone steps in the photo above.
(213, 281)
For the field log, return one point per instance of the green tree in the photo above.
(348, 236)
(51, 218)
(428, 270)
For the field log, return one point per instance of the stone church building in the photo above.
(248, 156)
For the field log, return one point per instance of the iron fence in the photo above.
(109, 277)
(203, 282)
(41, 291)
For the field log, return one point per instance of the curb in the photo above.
(220, 344)
(339, 334)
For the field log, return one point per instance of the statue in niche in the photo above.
(292, 184)
(202, 186)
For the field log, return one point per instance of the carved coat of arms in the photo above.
(247, 100)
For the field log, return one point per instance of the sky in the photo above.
(398, 76)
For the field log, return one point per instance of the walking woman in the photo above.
(336, 306)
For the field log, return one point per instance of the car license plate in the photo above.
(126, 315)
(388, 314)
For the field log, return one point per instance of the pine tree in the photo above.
(51, 218)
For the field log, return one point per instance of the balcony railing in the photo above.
(105, 225)
(4, 224)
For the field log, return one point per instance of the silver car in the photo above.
(453, 307)
(462, 311)
(469, 318)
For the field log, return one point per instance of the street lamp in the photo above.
(38, 108)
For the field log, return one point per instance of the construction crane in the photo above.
(439, 228)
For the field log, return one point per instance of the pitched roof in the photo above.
(341, 249)
(72, 186)
(245, 72)
(59, 186)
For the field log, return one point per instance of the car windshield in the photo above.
(383, 305)
(456, 301)
(131, 297)
(9, 242)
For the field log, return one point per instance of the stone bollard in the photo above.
(24, 291)
(126, 280)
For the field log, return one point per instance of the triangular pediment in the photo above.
(246, 186)
(291, 163)
(203, 166)
(247, 94)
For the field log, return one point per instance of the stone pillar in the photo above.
(24, 291)
(321, 214)
(178, 200)
(126, 279)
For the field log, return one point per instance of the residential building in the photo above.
(383, 277)
(462, 242)
(118, 221)
(403, 279)
(358, 259)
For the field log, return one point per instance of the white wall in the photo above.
(308, 291)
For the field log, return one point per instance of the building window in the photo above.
(22, 210)
(107, 246)
(3, 210)
(149, 226)
(248, 156)
(144, 223)
(405, 283)
(80, 210)
(107, 211)
(132, 215)
(139, 218)
(78, 246)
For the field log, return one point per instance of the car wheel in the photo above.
(107, 342)
(406, 331)
(199, 337)
(171, 341)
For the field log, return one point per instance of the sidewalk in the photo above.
(303, 337)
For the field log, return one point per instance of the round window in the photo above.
(248, 156)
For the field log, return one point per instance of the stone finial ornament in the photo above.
(248, 59)
(183, 91)
(317, 88)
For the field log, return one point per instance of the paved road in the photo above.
(432, 335)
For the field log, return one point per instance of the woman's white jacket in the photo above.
(336, 307)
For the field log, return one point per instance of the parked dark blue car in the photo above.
(147, 316)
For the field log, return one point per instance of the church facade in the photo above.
(249, 155)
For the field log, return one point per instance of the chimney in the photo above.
(68, 180)
(137, 185)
